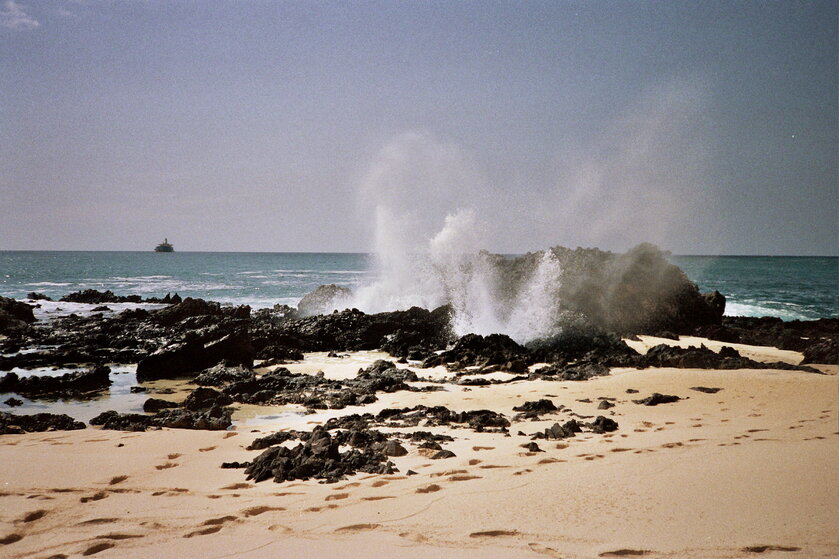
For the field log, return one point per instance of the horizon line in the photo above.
(369, 253)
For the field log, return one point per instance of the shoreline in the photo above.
(700, 477)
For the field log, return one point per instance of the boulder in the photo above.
(182, 358)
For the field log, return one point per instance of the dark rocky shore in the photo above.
(605, 297)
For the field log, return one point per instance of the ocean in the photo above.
(787, 287)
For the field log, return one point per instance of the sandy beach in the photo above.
(750, 470)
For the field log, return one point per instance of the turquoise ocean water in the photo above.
(786, 287)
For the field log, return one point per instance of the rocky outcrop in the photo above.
(320, 458)
(191, 355)
(75, 384)
(215, 418)
(12, 424)
(493, 352)
(15, 317)
(635, 292)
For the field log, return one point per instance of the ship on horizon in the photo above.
(165, 246)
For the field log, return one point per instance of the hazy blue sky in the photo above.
(703, 127)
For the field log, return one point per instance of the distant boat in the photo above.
(164, 247)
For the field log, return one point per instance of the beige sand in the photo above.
(713, 475)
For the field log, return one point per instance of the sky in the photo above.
(703, 127)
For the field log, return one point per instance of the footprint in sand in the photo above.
(120, 536)
(33, 516)
(336, 496)
(493, 533)
(414, 537)
(117, 479)
(474, 462)
(549, 461)
(256, 511)
(238, 486)
(217, 521)
(166, 466)
(96, 497)
(207, 449)
(11, 538)
(429, 488)
(97, 521)
(763, 548)
(544, 550)
(230, 434)
(477, 448)
(379, 483)
(449, 473)
(94, 549)
(624, 553)
(463, 478)
(357, 527)
(377, 498)
(493, 467)
(203, 532)
(173, 456)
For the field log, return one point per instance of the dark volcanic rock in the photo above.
(221, 375)
(602, 425)
(383, 376)
(479, 420)
(824, 350)
(578, 371)
(15, 317)
(557, 431)
(319, 458)
(703, 358)
(114, 421)
(575, 343)
(13, 402)
(187, 308)
(93, 296)
(97, 378)
(495, 350)
(393, 448)
(153, 405)
(35, 296)
(16, 309)
(443, 454)
(203, 398)
(213, 419)
(705, 389)
(181, 359)
(657, 399)
(273, 439)
(351, 330)
(539, 407)
(16, 424)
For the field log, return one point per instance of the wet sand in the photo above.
(748, 471)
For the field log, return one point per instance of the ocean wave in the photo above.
(784, 311)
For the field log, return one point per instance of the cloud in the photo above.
(14, 16)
